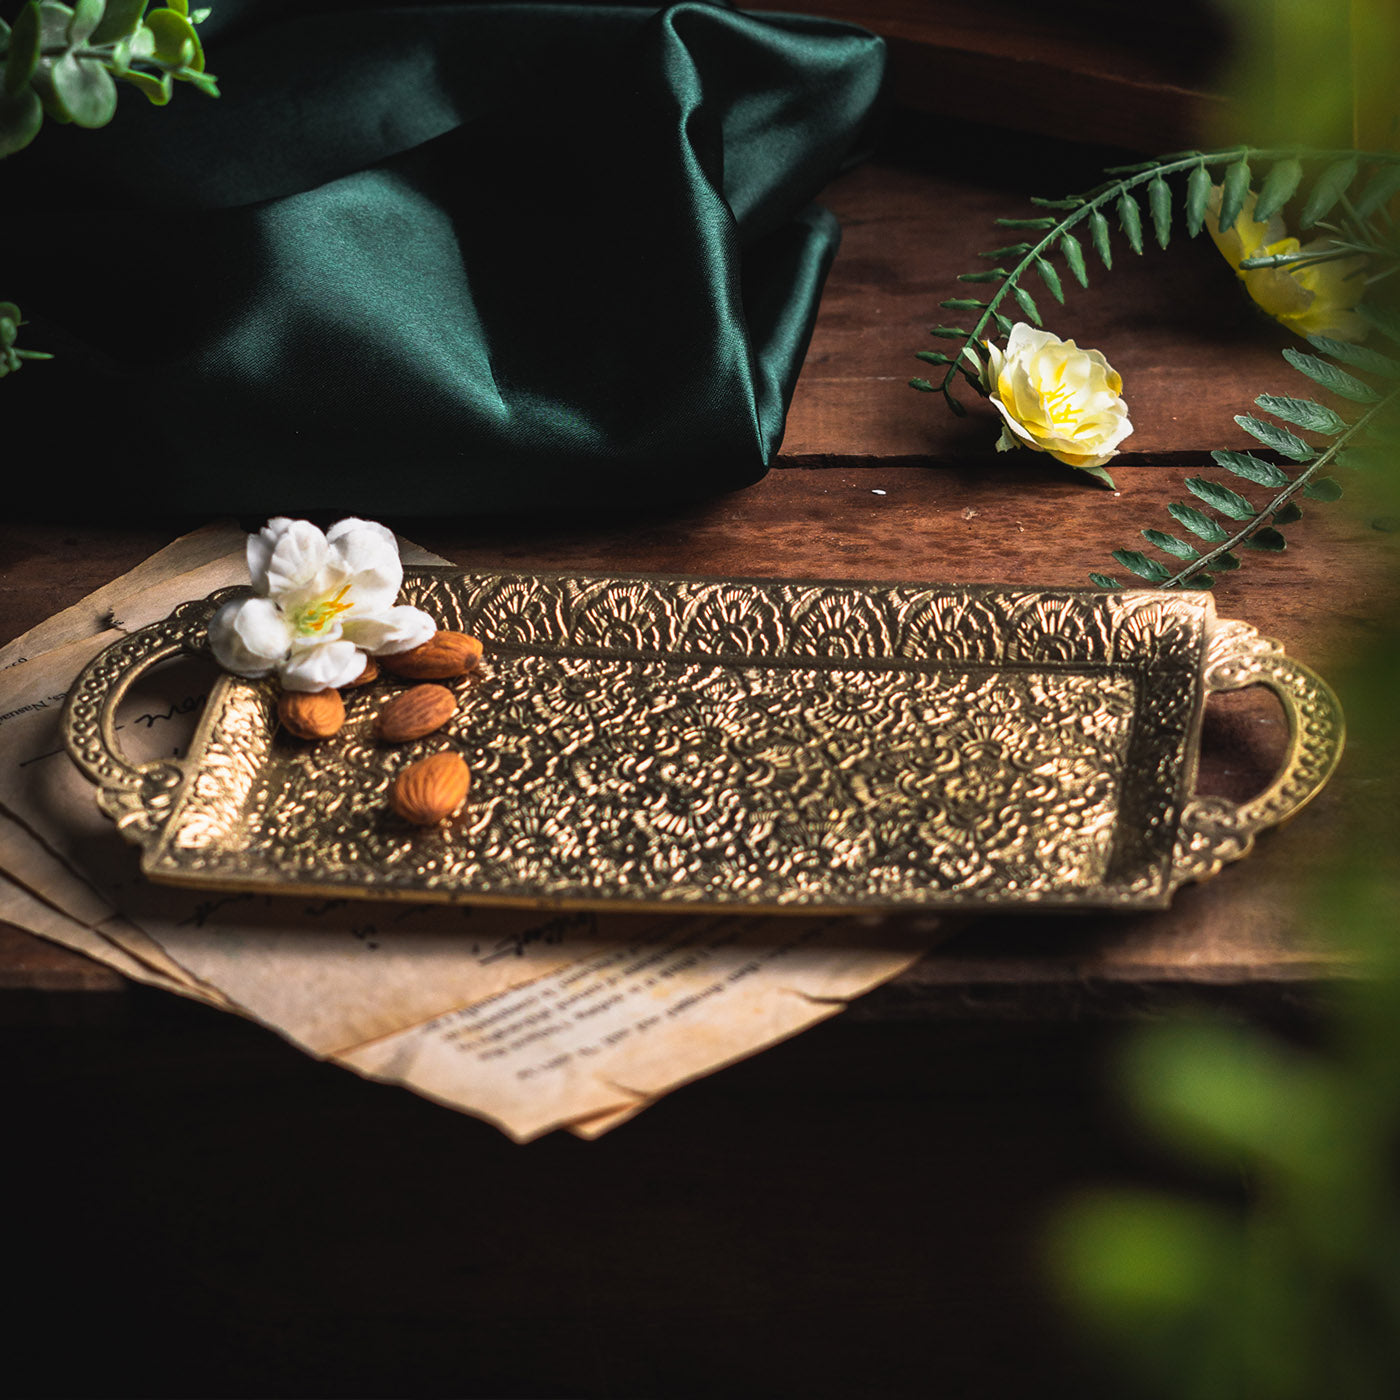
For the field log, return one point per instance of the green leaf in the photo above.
(950, 332)
(1324, 488)
(1100, 474)
(54, 20)
(1226, 501)
(87, 15)
(1227, 562)
(1278, 189)
(1026, 223)
(1380, 190)
(1027, 304)
(1330, 187)
(1098, 231)
(1051, 278)
(1142, 566)
(933, 357)
(1252, 468)
(119, 21)
(1130, 221)
(1104, 581)
(1372, 361)
(1003, 322)
(1198, 523)
(1287, 513)
(181, 7)
(1234, 192)
(1280, 439)
(1305, 413)
(1338, 381)
(1266, 538)
(156, 90)
(1074, 258)
(963, 304)
(1197, 198)
(1383, 319)
(1012, 250)
(86, 89)
(923, 386)
(23, 56)
(995, 274)
(1073, 201)
(21, 117)
(199, 16)
(1159, 201)
(1199, 581)
(175, 39)
(1171, 544)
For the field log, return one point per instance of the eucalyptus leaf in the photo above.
(86, 90)
(1280, 439)
(1135, 562)
(1197, 198)
(54, 20)
(1074, 258)
(1303, 413)
(1172, 544)
(23, 56)
(1159, 201)
(21, 118)
(1266, 538)
(1338, 381)
(1051, 278)
(119, 21)
(1279, 187)
(156, 90)
(1323, 488)
(87, 15)
(1220, 497)
(1234, 192)
(1371, 361)
(1252, 468)
(175, 39)
(1330, 187)
(1130, 220)
(1380, 190)
(1198, 522)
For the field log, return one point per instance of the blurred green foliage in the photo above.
(65, 62)
(1295, 1294)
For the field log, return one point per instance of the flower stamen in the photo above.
(314, 619)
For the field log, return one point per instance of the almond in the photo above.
(311, 714)
(367, 676)
(415, 712)
(431, 789)
(443, 656)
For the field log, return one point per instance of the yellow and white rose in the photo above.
(1055, 398)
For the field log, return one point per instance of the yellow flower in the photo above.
(1054, 397)
(1311, 300)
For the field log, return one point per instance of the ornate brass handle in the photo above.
(137, 796)
(1214, 830)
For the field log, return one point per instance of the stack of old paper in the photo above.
(532, 1021)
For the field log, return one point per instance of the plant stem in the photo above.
(1285, 495)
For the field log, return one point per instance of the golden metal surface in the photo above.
(647, 742)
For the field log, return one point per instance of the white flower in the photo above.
(320, 603)
(1056, 398)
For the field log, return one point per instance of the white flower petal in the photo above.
(249, 636)
(368, 554)
(395, 629)
(322, 667)
(297, 570)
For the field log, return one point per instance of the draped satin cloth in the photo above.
(440, 258)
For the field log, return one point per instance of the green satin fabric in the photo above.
(442, 258)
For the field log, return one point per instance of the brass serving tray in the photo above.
(647, 742)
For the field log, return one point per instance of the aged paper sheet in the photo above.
(604, 1036)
